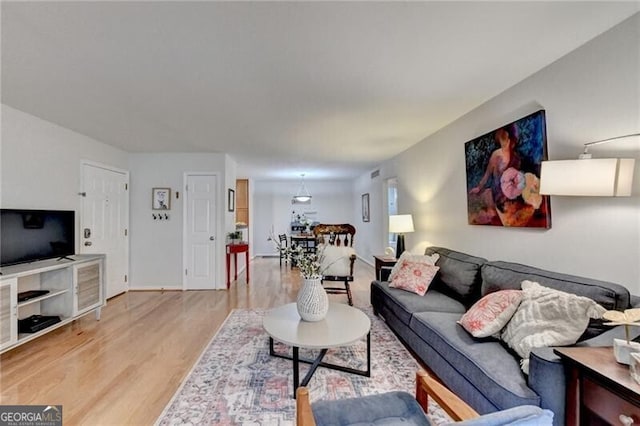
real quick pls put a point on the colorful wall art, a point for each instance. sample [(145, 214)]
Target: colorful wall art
[(503, 175)]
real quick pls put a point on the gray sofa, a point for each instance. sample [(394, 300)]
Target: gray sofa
[(485, 372)]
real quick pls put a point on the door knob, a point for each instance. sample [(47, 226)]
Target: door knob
[(87, 243), (212, 238)]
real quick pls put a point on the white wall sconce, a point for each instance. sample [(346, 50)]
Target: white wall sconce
[(588, 177)]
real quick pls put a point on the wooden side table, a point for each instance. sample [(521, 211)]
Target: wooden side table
[(599, 390), (235, 249), (383, 266)]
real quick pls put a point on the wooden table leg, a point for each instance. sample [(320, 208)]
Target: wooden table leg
[(572, 412), (235, 266), (228, 270), (247, 263)]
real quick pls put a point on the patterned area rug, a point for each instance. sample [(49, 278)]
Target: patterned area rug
[(237, 382)]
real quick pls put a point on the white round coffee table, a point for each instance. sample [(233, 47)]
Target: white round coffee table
[(343, 326)]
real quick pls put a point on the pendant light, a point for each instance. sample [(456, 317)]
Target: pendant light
[(303, 195)]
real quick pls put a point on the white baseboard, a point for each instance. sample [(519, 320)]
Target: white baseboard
[(368, 262), (154, 288)]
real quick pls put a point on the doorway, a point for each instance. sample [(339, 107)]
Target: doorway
[(104, 221), (392, 208), (200, 231)]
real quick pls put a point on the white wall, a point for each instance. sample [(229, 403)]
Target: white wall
[(332, 202), (156, 246), (592, 93), (40, 168), (40, 163), (371, 235), (231, 167)]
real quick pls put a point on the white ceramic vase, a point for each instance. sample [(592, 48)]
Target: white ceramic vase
[(622, 350), (313, 302)]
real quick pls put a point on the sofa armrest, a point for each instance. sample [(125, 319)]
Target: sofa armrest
[(547, 379), (547, 375), (427, 387), (606, 338), (304, 414), (635, 301)]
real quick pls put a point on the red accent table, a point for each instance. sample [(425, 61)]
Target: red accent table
[(235, 249)]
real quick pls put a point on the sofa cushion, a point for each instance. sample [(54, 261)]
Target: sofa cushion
[(486, 364), (459, 274), (391, 408), (502, 275), (524, 415), (405, 304)]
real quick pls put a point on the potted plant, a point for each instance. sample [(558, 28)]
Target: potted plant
[(234, 236), (312, 301)]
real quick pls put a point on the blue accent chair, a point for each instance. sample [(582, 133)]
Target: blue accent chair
[(401, 408)]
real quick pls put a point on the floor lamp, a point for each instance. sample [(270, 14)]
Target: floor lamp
[(400, 224)]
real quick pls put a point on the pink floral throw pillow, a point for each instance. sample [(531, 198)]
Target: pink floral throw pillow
[(490, 314), (408, 257), (414, 276)]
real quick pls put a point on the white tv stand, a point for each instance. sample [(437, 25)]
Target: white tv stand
[(76, 287)]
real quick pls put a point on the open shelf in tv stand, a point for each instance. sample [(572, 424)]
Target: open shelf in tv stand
[(76, 288)]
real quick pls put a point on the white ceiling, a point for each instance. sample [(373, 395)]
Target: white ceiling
[(330, 89)]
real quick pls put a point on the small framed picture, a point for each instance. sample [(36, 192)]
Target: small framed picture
[(365, 207), (231, 200), (161, 199)]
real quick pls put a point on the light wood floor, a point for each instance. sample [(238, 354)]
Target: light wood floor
[(124, 368)]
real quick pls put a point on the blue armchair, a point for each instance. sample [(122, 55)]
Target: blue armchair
[(394, 408)]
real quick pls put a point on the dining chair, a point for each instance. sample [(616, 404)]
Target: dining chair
[(335, 245), (283, 247)]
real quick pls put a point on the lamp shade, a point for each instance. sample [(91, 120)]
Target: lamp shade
[(303, 195), (587, 177), (400, 223), (302, 198)]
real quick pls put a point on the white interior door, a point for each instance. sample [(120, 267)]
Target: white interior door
[(200, 232), (104, 222)]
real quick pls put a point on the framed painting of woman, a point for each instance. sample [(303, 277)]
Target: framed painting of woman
[(503, 175)]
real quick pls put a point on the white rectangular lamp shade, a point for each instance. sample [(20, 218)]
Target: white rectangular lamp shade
[(400, 223), (587, 177)]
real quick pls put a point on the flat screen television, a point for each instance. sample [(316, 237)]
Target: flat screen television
[(30, 235)]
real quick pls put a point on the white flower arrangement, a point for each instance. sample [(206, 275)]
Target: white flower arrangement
[(305, 221), (309, 264), (626, 318)]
